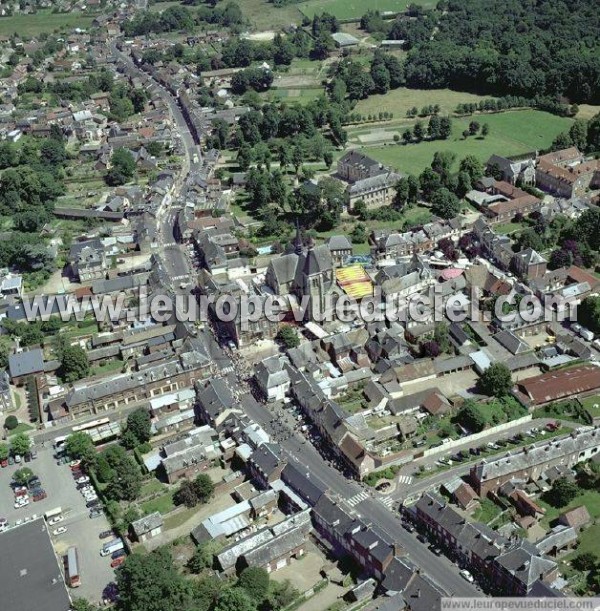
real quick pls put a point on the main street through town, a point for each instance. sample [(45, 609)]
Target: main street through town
[(176, 273)]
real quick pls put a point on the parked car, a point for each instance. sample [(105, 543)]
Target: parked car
[(59, 531), (18, 458), (75, 464), (118, 554), (422, 538), (55, 520), (467, 575), (84, 479), (39, 496), (105, 533), (11, 460), (96, 513), (117, 562), (409, 527), (4, 463), (93, 503), (435, 550)]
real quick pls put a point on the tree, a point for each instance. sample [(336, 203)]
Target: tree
[(445, 128), (586, 561), (234, 599), (123, 475), (139, 423), (328, 158), (473, 127), (203, 556), (80, 445), (288, 336), (11, 423), (445, 204), (186, 495), (23, 475), (4, 451), (255, 581), (123, 167), (563, 491), (282, 594), (485, 129), (359, 234), (74, 363), (418, 131), (20, 444), (588, 313), (471, 417), (203, 487), (472, 166), (150, 582), (496, 380)]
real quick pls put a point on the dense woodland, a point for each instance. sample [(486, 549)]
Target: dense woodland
[(530, 48)]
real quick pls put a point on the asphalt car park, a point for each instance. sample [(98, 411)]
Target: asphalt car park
[(81, 531)]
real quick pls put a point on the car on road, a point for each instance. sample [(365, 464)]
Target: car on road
[(117, 562), (466, 575), (409, 527), (105, 533), (435, 550), (55, 520), (61, 530)]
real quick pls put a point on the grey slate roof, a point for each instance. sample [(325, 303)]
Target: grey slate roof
[(26, 362), (538, 454), (147, 523)]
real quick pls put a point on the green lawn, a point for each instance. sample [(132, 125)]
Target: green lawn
[(589, 498), (22, 427), (264, 16), (109, 367), (163, 504), (43, 21), (506, 228), (151, 487), (354, 9), (488, 511), (589, 403), (511, 133), (399, 101)]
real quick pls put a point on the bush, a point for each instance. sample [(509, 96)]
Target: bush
[(11, 423)]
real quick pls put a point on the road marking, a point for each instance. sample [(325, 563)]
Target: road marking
[(357, 498), (387, 501), (405, 479)]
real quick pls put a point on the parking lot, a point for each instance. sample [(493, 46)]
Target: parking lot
[(81, 530)]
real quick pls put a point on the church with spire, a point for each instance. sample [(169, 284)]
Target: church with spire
[(306, 271)]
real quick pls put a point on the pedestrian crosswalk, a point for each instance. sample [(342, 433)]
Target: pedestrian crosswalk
[(357, 498), (182, 277), (170, 244), (388, 501), (405, 479), (227, 369)]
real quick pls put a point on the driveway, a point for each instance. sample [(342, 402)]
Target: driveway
[(81, 530)]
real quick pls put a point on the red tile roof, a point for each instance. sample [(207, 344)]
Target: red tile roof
[(560, 384)]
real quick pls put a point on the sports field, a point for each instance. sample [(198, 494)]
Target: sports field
[(511, 133), (355, 9), (43, 21)]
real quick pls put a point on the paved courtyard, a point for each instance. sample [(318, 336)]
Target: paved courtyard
[(81, 530)]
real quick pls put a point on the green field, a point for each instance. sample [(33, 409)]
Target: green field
[(511, 133), (43, 21), (400, 100), (355, 9)]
